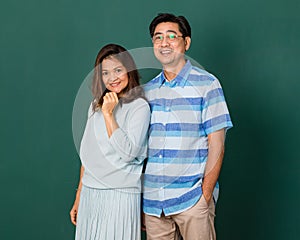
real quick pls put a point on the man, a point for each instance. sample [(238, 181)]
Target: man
[(186, 139)]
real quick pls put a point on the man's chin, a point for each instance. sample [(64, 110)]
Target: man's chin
[(165, 61)]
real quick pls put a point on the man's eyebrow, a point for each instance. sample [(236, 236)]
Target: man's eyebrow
[(168, 31), (172, 31)]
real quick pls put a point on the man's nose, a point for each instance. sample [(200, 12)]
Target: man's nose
[(165, 41)]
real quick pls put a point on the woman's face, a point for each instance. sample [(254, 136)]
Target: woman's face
[(114, 75)]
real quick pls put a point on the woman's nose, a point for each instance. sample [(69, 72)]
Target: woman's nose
[(112, 77)]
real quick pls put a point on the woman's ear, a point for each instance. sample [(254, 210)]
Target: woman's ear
[(187, 43)]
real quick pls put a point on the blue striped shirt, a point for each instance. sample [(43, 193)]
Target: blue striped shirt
[(184, 111)]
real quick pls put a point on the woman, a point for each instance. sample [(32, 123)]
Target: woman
[(112, 151)]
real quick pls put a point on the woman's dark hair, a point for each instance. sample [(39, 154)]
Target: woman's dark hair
[(184, 26), (132, 91)]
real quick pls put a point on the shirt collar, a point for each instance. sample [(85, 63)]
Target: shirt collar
[(179, 80)]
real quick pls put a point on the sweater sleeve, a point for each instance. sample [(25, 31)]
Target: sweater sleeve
[(131, 144)]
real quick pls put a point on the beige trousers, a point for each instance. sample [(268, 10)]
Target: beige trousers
[(196, 223)]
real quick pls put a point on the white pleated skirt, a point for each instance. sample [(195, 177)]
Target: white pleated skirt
[(108, 214)]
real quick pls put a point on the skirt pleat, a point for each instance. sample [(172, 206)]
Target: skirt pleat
[(108, 214)]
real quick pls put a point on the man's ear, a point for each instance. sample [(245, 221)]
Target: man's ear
[(187, 43)]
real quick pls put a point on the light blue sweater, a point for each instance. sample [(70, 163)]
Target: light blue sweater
[(116, 162)]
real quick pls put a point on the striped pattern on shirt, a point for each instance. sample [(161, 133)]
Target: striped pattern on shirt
[(184, 111)]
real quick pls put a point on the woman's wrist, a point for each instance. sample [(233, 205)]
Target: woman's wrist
[(107, 113)]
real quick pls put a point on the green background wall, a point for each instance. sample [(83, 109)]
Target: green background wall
[(47, 49)]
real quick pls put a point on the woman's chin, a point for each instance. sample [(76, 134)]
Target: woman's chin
[(117, 91)]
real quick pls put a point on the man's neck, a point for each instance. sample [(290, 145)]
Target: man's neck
[(172, 71)]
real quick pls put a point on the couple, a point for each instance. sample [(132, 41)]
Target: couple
[(178, 122)]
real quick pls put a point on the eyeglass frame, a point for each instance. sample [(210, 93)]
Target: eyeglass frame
[(167, 37)]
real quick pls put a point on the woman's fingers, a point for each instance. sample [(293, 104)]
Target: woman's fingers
[(73, 215), (114, 96), (111, 97), (110, 100)]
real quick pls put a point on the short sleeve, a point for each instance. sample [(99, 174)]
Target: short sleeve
[(215, 114)]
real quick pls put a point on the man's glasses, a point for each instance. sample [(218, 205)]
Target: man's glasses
[(171, 37)]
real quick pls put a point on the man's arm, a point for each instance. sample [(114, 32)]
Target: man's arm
[(214, 162)]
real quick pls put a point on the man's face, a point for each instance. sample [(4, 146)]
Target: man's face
[(169, 44)]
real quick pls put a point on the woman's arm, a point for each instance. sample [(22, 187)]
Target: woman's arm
[(74, 210), (109, 104), (131, 143)]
